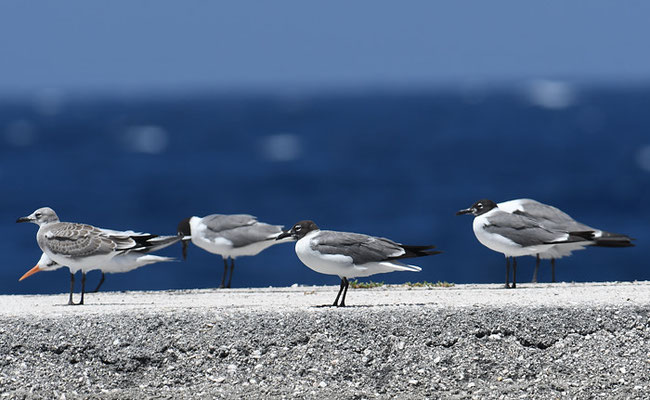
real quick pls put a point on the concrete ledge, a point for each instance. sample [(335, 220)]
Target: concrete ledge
[(481, 341)]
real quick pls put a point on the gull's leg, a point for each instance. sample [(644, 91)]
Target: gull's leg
[(534, 280), (70, 302), (232, 267), (507, 272), (336, 302), (225, 270), (345, 291), (514, 272), (553, 270), (101, 281), (83, 287)]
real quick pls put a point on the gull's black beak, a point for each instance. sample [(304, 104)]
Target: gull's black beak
[(465, 211), (184, 244), (23, 219), (283, 235)]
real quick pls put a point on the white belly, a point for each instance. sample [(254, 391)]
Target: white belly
[(129, 262), (330, 264), (80, 264), (562, 250), (224, 247)]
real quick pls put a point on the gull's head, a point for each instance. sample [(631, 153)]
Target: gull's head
[(479, 208), (42, 216), (185, 232), (299, 230), (44, 264)]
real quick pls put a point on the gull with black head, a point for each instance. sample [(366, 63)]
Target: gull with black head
[(83, 247), (230, 236), (351, 255), (516, 235), (554, 218)]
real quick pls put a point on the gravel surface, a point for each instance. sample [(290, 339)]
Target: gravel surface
[(469, 341)]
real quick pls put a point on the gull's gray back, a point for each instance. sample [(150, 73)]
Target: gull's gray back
[(220, 222), (520, 229), (245, 235), (551, 217), (240, 229), (361, 248), (80, 240)]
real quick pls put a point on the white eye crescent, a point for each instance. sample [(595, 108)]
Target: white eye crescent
[(297, 228), (38, 215)]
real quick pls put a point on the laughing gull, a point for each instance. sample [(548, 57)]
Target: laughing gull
[(554, 218), (120, 263), (230, 236), (82, 247), (350, 255), (516, 235)]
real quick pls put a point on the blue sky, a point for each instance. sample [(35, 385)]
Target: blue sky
[(181, 45)]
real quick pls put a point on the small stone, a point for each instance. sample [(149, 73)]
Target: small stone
[(436, 360), (413, 382), (322, 384), (400, 345), (471, 385)]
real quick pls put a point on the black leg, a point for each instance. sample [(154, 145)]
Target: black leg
[(70, 302), (552, 269), (225, 270), (232, 267), (83, 287), (507, 272), (514, 272), (345, 291), (336, 302), (534, 280), (101, 281)]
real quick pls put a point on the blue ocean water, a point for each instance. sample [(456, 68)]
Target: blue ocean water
[(389, 163)]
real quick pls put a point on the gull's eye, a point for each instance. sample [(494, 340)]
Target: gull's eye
[(38, 215), (479, 205), (297, 228)]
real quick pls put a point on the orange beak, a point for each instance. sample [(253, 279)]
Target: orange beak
[(30, 272)]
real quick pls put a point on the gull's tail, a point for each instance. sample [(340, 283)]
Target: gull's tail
[(158, 242), (609, 239), (416, 251)]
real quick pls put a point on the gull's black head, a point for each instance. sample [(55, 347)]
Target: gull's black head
[(479, 208), (184, 228), (185, 231), (299, 230)]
